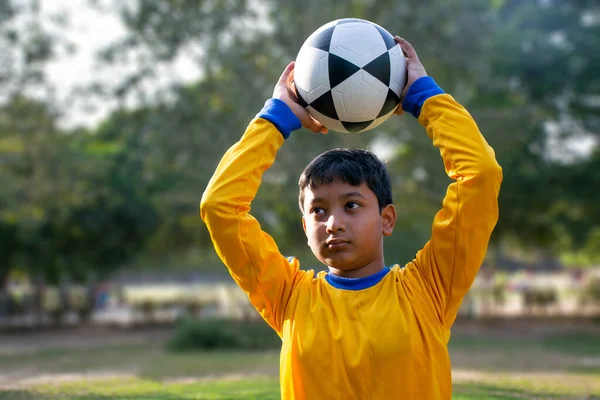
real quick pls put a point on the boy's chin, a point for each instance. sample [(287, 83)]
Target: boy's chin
[(344, 261), (339, 262)]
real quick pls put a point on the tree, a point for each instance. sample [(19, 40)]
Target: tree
[(71, 211), (544, 75), (95, 199), (27, 44), (239, 75), (518, 66)]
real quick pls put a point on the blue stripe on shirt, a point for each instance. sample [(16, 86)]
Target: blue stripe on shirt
[(280, 115), (356, 283), (421, 89)]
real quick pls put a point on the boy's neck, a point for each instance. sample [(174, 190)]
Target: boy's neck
[(362, 272)]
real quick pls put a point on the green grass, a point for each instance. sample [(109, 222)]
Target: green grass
[(485, 366), (563, 352), (498, 392), (146, 361), (585, 344), (261, 388), (133, 388), (576, 343)]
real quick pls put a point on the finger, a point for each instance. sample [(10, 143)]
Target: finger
[(407, 48), (399, 109), (284, 78), (294, 93), (312, 124), (403, 95), (316, 126), (290, 80)]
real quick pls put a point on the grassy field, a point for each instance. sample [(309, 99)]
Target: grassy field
[(489, 362)]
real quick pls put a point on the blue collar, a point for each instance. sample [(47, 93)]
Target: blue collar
[(339, 282)]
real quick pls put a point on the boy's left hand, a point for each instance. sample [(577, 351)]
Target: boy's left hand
[(284, 91), (414, 68)]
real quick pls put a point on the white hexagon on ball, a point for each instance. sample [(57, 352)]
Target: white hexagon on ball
[(397, 70), (311, 74), (358, 42), (359, 98)]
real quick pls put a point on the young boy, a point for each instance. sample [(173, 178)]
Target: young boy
[(361, 330)]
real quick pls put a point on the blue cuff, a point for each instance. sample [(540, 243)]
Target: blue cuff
[(280, 115), (421, 89)]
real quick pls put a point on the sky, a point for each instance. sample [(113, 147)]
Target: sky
[(89, 29)]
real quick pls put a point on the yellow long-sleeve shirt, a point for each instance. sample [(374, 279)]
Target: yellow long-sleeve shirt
[(388, 340)]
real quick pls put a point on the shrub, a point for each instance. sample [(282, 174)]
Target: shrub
[(591, 291), (209, 334)]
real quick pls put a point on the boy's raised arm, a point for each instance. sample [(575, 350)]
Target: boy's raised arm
[(447, 265), (251, 255)]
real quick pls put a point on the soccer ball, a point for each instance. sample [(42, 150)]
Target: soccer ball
[(349, 75)]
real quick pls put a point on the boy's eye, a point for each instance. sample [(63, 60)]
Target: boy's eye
[(352, 205), (317, 210)]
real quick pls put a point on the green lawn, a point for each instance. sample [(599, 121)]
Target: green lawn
[(148, 362), (485, 366), (258, 388), (575, 343), (136, 388)]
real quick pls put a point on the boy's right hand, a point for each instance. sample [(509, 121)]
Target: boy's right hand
[(284, 91)]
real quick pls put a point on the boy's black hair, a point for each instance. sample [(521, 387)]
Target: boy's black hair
[(351, 166)]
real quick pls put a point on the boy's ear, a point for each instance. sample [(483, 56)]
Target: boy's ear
[(304, 224), (388, 219)]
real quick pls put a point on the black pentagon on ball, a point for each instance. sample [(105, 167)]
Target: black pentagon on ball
[(340, 70), (380, 68), (301, 100), (323, 40), (356, 126), (391, 102), (325, 105), (387, 37)]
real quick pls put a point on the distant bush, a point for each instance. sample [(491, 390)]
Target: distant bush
[(540, 296), (209, 334), (592, 290)]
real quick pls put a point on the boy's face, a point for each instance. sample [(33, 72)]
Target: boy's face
[(345, 229)]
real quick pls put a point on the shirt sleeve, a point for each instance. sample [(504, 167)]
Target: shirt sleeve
[(251, 255), (446, 267)]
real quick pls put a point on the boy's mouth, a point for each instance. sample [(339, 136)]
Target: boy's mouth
[(336, 243)]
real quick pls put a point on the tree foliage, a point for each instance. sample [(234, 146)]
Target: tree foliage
[(83, 202)]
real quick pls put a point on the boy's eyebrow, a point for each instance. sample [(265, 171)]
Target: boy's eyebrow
[(343, 196), (352, 194)]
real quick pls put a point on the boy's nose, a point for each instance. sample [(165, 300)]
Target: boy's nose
[(335, 224)]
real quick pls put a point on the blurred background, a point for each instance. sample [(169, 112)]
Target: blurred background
[(114, 115)]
